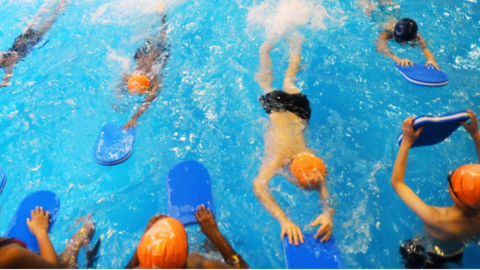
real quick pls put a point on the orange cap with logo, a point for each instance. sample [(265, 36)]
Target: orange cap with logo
[(308, 169), (164, 245), (138, 84), (465, 186)]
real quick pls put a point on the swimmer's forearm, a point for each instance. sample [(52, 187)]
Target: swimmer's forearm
[(46, 248), (230, 256), (429, 55), (398, 175), (267, 200)]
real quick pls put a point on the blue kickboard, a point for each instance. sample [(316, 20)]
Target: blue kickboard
[(188, 187), (437, 128), (114, 144), (312, 254), (18, 226), (423, 75), (3, 180)]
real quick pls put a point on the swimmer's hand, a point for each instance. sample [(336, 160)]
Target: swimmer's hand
[(410, 135), (207, 222), (38, 225), (404, 62), (153, 220), (293, 232), (432, 63), (327, 226), (471, 127), (130, 124)]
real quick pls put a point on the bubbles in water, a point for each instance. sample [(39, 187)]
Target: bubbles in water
[(280, 18), (284, 16)]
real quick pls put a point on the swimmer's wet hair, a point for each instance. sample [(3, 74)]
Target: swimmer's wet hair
[(405, 30)]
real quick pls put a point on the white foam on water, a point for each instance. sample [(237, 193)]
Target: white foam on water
[(113, 12), (282, 17)]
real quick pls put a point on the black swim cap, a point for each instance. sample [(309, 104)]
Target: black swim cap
[(405, 30)]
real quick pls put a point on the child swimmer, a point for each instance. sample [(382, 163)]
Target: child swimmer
[(165, 245), (394, 26), (289, 112), (447, 228), (145, 79)]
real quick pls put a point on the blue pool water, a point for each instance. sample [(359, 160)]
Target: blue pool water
[(209, 111)]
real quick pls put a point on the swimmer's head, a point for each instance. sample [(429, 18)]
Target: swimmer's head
[(405, 30), (138, 84), (164, 245), (464, 186), (308, 169)]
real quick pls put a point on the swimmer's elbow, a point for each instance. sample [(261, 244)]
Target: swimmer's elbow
[(259, 188)]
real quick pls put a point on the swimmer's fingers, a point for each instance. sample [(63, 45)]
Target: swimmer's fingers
[(300, 235), (419, 130), (282, 234), (295, 230), (326, 237), (471, 127)]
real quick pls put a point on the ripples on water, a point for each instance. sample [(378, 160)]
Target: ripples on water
[(208, 111)]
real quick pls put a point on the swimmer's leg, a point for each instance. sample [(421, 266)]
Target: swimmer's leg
[(68, 258), (264, 75), (293, 66), (53, 17)]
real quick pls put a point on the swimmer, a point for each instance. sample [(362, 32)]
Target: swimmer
[(14, 252), (145, 80), (25, 43), (395, 26), (81, 238), (446, 228), (285, 146), (171, 245)]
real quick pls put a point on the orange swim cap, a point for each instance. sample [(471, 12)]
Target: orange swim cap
[(138, 84), (164, 245), (308, 169), (464, 186)]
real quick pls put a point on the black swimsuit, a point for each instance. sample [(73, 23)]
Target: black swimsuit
[(25, 43), (279, 101)]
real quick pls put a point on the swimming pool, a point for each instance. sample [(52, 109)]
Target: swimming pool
[(209, 111)]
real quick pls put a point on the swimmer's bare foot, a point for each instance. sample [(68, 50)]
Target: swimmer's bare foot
[(160, 7), (266, 47), (61, 5)]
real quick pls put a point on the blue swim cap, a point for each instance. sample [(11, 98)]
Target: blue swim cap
[(405, 30)]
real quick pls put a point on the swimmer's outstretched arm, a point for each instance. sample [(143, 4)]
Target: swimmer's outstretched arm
[(263, 193), (428, 214), (382, 47), (472, 128), (326, 218), (149, 99), (428, 54)]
